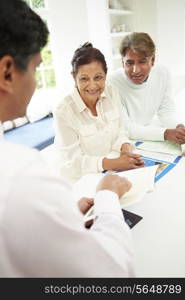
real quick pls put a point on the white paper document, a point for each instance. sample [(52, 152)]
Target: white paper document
[(142, 180), (161, 147), (156, 155)]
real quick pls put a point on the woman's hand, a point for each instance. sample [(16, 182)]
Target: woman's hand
[(129, 161), (126, 148), (125, 162)]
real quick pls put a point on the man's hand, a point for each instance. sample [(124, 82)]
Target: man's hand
[(180, 126), (175, 135), (114, 183), (85, 204)]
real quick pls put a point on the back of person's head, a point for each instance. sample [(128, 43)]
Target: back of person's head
[(140, 42), (87, 54), (22, 32)]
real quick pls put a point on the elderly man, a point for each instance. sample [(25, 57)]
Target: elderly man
[(145, 90)]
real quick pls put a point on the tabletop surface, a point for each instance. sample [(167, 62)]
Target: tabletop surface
[(159, 238)]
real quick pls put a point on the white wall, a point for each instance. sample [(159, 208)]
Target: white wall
[(69, 30), (145, 12), (171, 33), (164, 20), (98, 26)]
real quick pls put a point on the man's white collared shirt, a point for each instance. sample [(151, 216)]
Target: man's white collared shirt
[(41, 227)]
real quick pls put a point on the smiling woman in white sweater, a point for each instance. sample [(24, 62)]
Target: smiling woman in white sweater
[(146, 92), (90, 137)]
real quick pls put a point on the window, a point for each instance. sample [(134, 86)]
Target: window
[(44, 97), (45, 75)]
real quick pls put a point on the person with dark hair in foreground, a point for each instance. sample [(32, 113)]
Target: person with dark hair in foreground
[(42, 233)]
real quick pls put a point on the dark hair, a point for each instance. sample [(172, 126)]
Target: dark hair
[(138, 41), (22, 32), (85, 55)]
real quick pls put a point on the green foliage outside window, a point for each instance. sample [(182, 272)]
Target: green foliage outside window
[(49, 78), (46, 57), (45, 75), (38, 3), (35, 4), (39, 82)]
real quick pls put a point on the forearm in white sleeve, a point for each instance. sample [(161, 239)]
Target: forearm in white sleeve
[(62, 246), (74, 164), (148, 132), (167, 113), (167, 110), (122, 138), (140, 132), (112, 231)]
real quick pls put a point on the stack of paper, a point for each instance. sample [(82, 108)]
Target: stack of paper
[(142, 180), (161, 147)]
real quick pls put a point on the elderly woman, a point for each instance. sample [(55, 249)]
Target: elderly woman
[(87, 122)]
